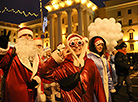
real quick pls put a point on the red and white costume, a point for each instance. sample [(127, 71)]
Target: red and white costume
[(55, 69)]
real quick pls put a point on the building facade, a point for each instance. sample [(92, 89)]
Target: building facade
[(126, 13), (68, 16)]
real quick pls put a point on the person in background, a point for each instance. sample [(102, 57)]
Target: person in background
[(69, 60), (46, 54), (122, 70), (52, 89), (22, 82), (39, 45), (97, 47), (112, 64)]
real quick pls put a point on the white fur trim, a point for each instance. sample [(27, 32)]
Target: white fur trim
[(25, 31), (38, 42), (56, 57), (98, 42), (4, 51), (38, 80), (41, 97)]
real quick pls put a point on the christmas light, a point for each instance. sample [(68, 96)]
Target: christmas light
[(18, 11)]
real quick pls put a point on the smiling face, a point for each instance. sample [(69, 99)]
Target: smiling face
[(99, 47), (76, 45)]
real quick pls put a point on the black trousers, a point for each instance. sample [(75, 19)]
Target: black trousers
[(128, 82)]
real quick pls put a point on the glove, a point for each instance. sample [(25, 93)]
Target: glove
[(4, 39), (32, 84)]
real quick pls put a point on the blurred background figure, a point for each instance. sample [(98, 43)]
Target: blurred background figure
[(39, 45), (112, 65), (122, 70), (46, 54)]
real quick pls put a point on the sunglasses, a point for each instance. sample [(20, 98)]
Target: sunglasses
[(73, 43)]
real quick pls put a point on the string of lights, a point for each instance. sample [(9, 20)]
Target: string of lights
[(18, 11)]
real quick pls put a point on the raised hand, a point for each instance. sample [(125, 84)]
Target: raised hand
[(64, 52), (4, 39)]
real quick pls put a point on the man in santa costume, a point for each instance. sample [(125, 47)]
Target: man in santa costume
[(39, 45), (22, 82), (67, 61)]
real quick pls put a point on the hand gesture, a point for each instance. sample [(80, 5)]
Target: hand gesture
[(4, 39), (64, 52)]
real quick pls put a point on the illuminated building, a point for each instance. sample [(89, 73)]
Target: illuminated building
[(68, 16), (125, 12)]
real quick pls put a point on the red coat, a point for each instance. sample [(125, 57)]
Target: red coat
[(90, 78), (17, 77)]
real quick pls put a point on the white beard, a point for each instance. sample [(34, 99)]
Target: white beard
[(26, 49)]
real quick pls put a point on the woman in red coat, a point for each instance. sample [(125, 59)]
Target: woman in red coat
[(65, 62)]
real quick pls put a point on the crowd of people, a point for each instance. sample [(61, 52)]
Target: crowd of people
[(82, 70)]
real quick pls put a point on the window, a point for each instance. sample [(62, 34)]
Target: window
[(129, 11), (63, 21), (131, 35), (131, 47), (36, 30), (46, 35), (46, 28), (46, 44), (72, 19), (76, 28), (90, 17), (120, 22), (67, 30), (119, 13), (130, 22)]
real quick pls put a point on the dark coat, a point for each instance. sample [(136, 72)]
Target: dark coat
[(121, 64)]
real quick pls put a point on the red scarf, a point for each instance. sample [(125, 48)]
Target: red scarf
[(122, 51)]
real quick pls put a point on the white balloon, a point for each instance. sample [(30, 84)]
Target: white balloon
[(111, 20)]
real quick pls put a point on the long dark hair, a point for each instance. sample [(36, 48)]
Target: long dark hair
[(93, 48)]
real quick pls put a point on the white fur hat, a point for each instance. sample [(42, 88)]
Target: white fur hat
[(38, 41), (24, 30)]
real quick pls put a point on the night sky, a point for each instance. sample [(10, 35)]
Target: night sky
[(27, 6)]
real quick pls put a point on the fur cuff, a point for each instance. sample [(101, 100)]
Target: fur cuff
[(56, 57), (4, 51), (41, 97), (38, 80)]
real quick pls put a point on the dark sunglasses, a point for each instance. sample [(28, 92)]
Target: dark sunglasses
[(79, 43)]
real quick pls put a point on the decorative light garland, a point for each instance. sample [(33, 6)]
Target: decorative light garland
[(18, 11)]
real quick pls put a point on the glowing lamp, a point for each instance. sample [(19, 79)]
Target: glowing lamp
[(62, 4), (56, 6), (89, 4), (48, 8), (83, 1), (94, 8)]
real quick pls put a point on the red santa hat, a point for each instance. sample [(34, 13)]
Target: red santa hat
[(78, 60), (24, 30), (38, 41), (98, 41)]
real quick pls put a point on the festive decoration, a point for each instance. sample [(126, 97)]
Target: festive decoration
[(18, 11), (108, 29)]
